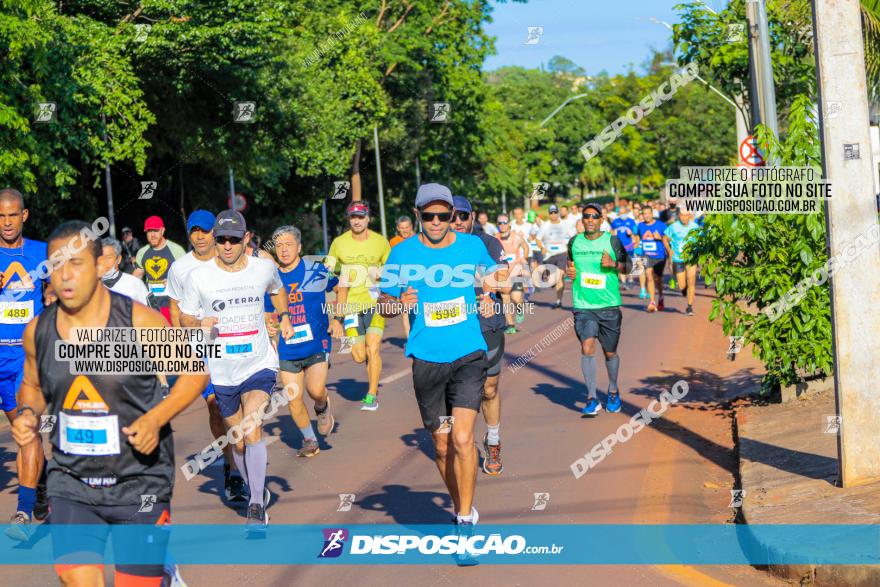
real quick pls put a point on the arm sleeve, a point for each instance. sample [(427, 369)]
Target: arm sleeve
[(619, 250)]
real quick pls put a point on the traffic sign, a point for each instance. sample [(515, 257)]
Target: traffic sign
[(749, 154), (240, 203)]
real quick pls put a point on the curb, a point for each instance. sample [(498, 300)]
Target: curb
[(818, 575)]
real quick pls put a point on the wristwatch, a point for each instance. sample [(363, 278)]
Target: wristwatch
[(22, 408), (283, 314)]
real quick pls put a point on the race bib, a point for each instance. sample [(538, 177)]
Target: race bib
[(89, 435), (555, 248), (593, 280), (16, 312), (157, 288), (350, 321), (649, 246), (238, 351), (509, 258), (302, 333), (445, 313)]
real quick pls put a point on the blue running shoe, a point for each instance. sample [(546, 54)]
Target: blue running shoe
[(643, 294), (592, 408), (613, 403)]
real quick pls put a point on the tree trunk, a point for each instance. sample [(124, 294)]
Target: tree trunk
[(356, 172)]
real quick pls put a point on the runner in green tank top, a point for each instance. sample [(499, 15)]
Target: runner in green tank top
[(595, 259)]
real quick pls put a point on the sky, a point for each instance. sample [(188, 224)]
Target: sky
[(596, 34)]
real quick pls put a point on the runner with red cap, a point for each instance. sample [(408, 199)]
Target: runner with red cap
[(357, 256), (153, 261)]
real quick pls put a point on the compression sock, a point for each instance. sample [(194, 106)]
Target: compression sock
[(588, 366), (613, 366), (240, 465), (27, 497), (308, 432), (494, 436), (257, 460)]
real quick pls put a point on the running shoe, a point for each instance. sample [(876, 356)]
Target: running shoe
[(41, 507), (466, 530), (257, 518), (267, 497), (492, 464), (520, 316), (326, 421), (690, 310), (660, 305), (643, 294), (20, 527), (309, 449), (652, 307), (236, 490), (510, 330), (613, 403), (370, 403), (557, 306), (171, 576), (672, 284), (592, 408)]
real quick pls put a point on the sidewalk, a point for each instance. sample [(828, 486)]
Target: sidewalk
[(788, 469)]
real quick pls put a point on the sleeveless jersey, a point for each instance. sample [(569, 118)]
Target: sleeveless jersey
[(22, 292), (92, 461)]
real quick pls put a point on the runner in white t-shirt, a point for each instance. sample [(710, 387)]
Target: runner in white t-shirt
[(553, 239), (117, 280), (228, 292)]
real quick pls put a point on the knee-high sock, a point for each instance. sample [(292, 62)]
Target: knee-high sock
[(613, 366), (588, 366), (257, 460), (240, 465)]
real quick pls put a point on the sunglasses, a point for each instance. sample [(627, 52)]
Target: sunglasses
[(554, 212), (463, 216), (430, 216), (593, 216), (503, 222), (222, 240)]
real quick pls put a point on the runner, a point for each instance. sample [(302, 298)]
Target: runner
[(676, 237), (115, 279), (528, 230), (130, 246), (487, 227), (447, 348), (102, 478), (361, 248), (200, 227), (516, 251), (649, 237), (553, 236), (492, 328), (153, 261), (595, 259), (18, 257), (226, 294), (305, 357), (404, 231), (624, 228)]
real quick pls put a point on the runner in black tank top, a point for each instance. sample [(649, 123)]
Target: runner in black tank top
[(114, 463)]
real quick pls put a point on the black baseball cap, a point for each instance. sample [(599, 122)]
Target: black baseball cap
[(594, 206), (230, 223)]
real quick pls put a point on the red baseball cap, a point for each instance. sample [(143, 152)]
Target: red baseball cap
[(359, 208), (153, 223)]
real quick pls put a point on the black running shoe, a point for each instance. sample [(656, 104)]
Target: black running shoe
[(41, 507), (236, 490), (257, 518)]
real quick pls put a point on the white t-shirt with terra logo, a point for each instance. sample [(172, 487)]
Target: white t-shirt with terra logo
[(236, 299)]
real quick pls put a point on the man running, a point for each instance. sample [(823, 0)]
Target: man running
[(112, 447), (360, 253), (305, 357), (486, 226), (492, 328), (649, 237), (226, 294), (200, 226), (676, 237), (447, 348), (624, 228), (595, 259), (115, 279), (553, 236), (21, 301), (404, 231), (153, 260), (516, 253)]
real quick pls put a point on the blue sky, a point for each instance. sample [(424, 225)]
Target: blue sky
[(595, 34)]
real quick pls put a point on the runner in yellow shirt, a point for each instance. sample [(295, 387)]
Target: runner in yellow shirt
[(358, 256)]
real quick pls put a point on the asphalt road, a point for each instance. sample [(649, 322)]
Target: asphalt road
[(678, 470)]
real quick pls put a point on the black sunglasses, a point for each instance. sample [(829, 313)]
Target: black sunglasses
[(554, 211), (593, 216), (430, 216), (503, 222), (222, 240), (463, 216)]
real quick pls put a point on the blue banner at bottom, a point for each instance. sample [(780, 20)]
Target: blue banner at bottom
[(421, 544)]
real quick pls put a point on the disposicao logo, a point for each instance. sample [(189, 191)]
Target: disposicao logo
[(334, 540)]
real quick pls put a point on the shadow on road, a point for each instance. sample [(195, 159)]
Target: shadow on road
[(350, 389), (397, 341), (567, 397), (406, 506), (422, 439)]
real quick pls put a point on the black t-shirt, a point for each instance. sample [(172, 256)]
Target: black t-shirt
[(496, 251)]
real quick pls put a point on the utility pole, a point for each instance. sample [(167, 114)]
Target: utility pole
[(108, 180), (763, 91), (231, 189), (851, 212), (379, 177)]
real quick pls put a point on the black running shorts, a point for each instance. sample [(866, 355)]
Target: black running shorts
[(298, 365), (495, 354), (657, 265), (602, 324), (440, 387)]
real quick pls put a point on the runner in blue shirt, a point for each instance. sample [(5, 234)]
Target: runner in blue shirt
[(625, 228), (677, 236), (21, 299), (434, 273), (650, 238), (305, 357)]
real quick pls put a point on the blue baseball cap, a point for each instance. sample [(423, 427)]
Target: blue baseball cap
[(433, 192), (461, 204), (201, 219)]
